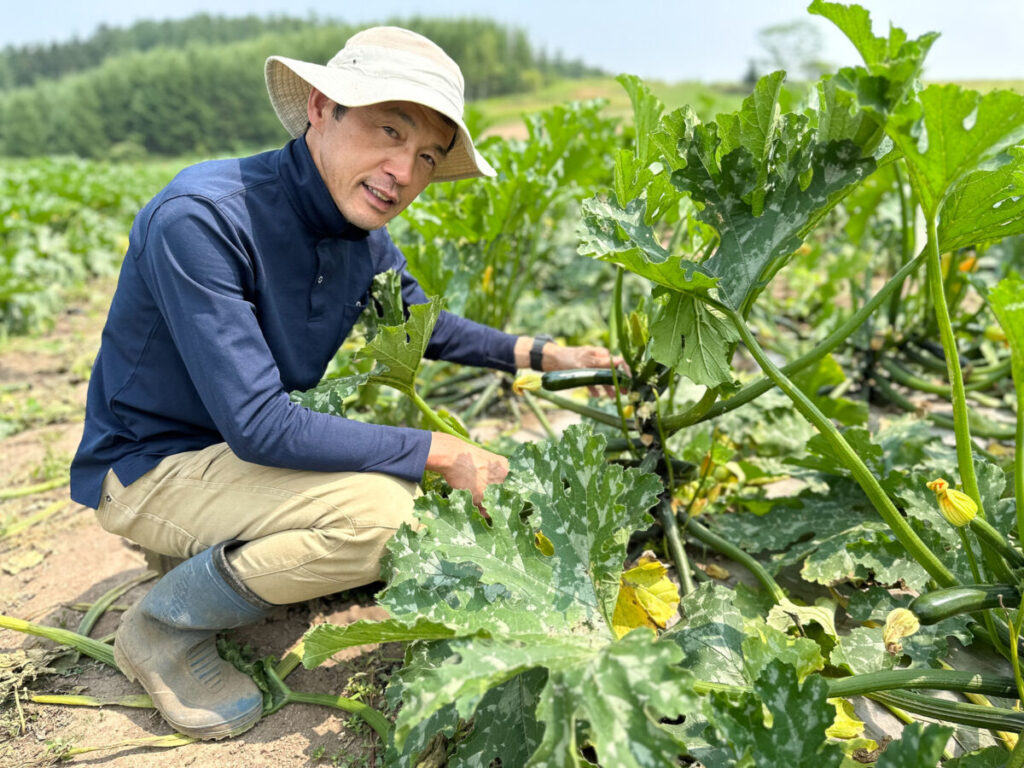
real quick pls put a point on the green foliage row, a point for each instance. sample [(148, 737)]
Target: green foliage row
[(61, 222), (210, 97)]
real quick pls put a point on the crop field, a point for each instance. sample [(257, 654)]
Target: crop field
[(786, 532)]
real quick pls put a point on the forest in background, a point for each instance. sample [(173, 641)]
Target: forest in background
[(196, 85)]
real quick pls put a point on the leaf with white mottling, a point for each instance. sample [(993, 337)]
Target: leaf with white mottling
[(711, 635), (795, 736)]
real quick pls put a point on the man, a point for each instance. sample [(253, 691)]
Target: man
[(241, 280)]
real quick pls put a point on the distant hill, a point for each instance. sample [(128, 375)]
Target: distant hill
[(196, 85)]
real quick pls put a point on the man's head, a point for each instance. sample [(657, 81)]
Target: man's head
[(379, 66), (376, 159)]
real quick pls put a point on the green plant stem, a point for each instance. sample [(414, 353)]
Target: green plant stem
[(134, 701), (889, 393), (867, 481), (83, 607), (531, 403), (928, 679), (481, 402), (675, 422), (983, 378), (734, 553), (281, 694), (993, 372), (986, 616), (454, 397), (48, 511), (907, 235), (897, 679), (436, 421), (622, 416), (373, 718), (290, 661), (1014, 623), (990, 718), (28, 490), (603, 417), (961, 426), (169, 741), (97, 609), (87, 645), (993, 539), (675, 546), (1018, 462), (907, 379)]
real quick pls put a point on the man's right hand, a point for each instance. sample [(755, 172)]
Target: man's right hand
[(465, 466)]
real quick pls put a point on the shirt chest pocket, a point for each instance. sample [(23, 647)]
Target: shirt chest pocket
[(340, 286)]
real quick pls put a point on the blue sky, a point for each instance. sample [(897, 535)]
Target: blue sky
[(671, 40)]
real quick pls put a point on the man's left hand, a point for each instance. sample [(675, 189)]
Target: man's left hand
[(558, 358)]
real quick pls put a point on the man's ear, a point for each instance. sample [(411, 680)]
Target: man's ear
[(318, 109)]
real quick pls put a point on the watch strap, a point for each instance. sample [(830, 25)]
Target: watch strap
[(537, 351)]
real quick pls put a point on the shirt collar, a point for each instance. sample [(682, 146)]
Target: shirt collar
[(310, 197)]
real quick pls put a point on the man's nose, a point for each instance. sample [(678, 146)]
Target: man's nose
[(400, 167)]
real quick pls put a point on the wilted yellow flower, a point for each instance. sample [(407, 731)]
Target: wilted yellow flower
[(527, 382), (956, 506), (899, 623)]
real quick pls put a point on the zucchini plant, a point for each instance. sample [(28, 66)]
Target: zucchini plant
[(518, 648)]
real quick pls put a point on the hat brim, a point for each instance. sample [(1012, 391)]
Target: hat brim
[(289, 82)]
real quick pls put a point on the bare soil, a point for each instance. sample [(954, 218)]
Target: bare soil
[(65, 559)]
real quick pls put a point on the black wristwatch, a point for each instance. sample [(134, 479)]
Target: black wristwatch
[(537, 351)]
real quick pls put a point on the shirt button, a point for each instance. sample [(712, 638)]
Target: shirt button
[(319, 279)]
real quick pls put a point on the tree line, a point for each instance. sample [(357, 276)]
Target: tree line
[(196, 86)]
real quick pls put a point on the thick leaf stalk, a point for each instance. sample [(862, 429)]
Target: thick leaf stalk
[(991, 718), (734, 553), (961, 426), (867, 481)]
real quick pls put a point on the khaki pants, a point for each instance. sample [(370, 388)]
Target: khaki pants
[(307, 534)]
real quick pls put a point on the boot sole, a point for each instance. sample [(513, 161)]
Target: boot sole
[(213, 733)]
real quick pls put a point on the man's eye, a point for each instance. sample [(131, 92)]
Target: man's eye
[(430, 159), (390, 131)]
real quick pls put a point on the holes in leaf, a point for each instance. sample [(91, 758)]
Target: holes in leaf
[(971, 119), (922, 137)]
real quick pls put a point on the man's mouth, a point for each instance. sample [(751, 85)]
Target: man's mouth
[(385, 199)]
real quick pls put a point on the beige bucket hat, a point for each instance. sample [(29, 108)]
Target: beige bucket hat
[(376, 65)]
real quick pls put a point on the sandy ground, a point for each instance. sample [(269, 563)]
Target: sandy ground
[(68, 559)]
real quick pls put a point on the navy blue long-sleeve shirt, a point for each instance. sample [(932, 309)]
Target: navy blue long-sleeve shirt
[(241, 281)]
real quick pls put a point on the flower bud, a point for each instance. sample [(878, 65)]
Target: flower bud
[(899, 623), (956, 506), (527, 382)]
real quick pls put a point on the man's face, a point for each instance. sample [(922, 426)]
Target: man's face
[(375, 160)]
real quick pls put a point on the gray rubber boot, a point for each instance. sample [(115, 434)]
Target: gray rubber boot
[(167, 641)]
